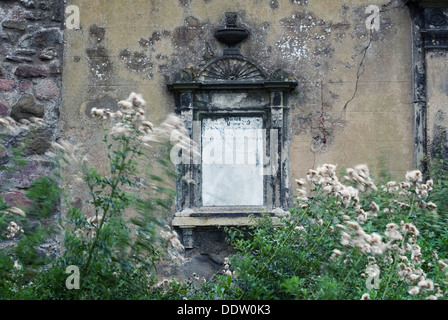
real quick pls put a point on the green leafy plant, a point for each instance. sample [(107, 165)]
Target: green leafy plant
[(346, 239), (115, 241)]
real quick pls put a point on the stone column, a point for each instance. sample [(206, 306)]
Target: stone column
[(435, 43)]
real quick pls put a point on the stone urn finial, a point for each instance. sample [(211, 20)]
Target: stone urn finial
[(231, 35)]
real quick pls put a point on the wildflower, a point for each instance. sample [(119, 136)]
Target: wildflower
[(393, 189), (336, 253), (416, 254), (361, 217), (17, 266), (414, 176), (354, 225), (96, 112), (299, 228), (391, 184), (362, 170), (120, 129), (95, 220), (409, 227), (405, 185), (413, 291), (327, 189), (312, 175), (13, 228), (365, 296), (340, 226), (392, 232), (442, 264), (302, 194), (431, 206), (404, 270), (147, 125), (426, 284), (345, 238), (403, 205), (414, 277), (421, 192), (79, 233), (300, 182), (125, 105), (374, 207), (115, 115), (136, 99)]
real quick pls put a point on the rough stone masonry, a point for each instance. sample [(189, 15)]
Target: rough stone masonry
[(31, 59)]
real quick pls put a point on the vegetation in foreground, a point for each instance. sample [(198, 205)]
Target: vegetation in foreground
[(347, 238)]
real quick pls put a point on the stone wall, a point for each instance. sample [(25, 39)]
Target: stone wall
[(354, 98), (31, 52)]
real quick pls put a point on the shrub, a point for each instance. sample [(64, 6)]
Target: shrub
[(113, 254), (346, 239)]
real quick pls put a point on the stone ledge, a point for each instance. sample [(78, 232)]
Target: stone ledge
[(194, 222)]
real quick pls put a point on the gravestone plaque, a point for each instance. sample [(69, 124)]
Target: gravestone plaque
[(232, 161)]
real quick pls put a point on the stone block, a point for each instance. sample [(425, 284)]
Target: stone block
[(6, 84), (3, 155), (28, 71), (15, 24), (3, 109), (25, 87), (16, 199), (39, 141), (26, 108), (46, 90)]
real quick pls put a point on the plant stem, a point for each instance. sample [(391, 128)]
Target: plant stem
[(278, 248), (113, 192)]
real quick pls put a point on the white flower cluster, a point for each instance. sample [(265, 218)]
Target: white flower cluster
[(91, 227), (13, 229), (131, 118), (175, 247), (227, 270), (172, 238), (399, 241), (23, 124), (71, 154), (325, 177)]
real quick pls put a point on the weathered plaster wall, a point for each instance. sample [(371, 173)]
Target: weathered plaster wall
[(354, 96), (437, 100)]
